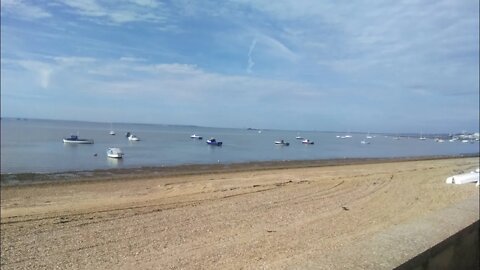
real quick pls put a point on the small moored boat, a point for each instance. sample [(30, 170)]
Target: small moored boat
[(74, 139), (213, 141), (195, 136), (282, 142), (133, 138), (114, 153), (307, 141)]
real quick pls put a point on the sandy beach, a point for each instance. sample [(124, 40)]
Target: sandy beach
[(348, 216)]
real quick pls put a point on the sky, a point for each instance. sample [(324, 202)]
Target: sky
[(373, 66)]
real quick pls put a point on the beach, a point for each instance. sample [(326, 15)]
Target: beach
[(351, 215)]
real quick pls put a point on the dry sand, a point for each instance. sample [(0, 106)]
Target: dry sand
[(373, 216)]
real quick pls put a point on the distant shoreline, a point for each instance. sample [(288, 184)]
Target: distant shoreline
[(20, 179)]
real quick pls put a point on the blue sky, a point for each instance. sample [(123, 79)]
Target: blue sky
[(378, 66)]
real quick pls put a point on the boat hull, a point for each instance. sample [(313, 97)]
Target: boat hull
[(79, 141), (214, 143)]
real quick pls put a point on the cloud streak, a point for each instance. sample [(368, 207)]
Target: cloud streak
[(250, 63)]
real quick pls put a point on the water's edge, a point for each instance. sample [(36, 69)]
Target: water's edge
[(20, 179)]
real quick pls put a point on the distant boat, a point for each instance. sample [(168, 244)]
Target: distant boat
[(365, 142), (112, 132), (299, 138), (282, 142), (422, 137), (307, 141), (213, 141), (75, 140), (133, 138), (114, 153), (369, 136), (194, 136)]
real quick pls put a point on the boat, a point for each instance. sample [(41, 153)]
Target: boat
[(299, 138), (112, 132), (307, 141), (75, 140), (464, 178), (369, 136), (133, 138), (114, 153), (365, 142), (213, 141), (195, 136), (282, 142)]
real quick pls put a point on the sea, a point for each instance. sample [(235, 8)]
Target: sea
[(36, 146)]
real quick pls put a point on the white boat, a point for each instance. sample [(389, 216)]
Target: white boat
[(112, 132), (299, 138), (365, 142), (195, 136), (282, 142), (307, 141), (114, 153), (464, 178), (75, 140), (133, 138), (369, 136)]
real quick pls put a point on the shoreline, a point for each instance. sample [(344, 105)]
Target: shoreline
[(32, 178)]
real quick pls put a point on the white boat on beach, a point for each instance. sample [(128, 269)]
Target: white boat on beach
[(73, 139), (464, 178), (114, 153)]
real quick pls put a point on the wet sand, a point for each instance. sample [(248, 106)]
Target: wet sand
[(254, 216)]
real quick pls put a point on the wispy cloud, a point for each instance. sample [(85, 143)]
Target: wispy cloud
[(119, 12), (24, 10)]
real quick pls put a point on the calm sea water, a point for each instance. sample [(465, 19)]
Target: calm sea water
[(36, 146)]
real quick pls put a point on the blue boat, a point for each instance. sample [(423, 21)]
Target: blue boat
[(213, 141)]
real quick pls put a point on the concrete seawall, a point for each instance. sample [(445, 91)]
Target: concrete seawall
[(459, 251)]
